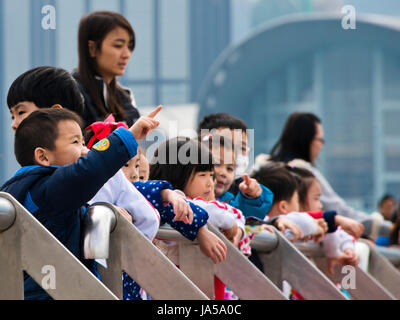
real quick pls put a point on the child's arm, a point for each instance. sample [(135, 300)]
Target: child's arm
[(211, 245), (308, 225), (222, 215), (349, 225), (72, 186), (339, 249), (121, 192), (282, 224), (182, 209), (253, 199)]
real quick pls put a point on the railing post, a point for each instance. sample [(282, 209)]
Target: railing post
[(11, 280), (197, 267), (28, 245), (286, 262), (99, 222)]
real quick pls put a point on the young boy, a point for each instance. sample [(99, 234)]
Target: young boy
[(253, 199), (58, 175), (286, 202), (43, 87)]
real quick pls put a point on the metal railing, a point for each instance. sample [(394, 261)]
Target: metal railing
[(286, 262), (237, 272), (26, 245), (127, 249), (366, 287)]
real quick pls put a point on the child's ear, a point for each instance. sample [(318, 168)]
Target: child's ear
[(92, 48), (56, 106), (283, 207), (41, 156)]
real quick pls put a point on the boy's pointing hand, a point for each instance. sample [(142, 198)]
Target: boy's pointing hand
[(145, 124)]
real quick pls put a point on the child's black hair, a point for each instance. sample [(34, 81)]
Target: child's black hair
[(39, 129), (176, 159), (278, 179), (221, 120), (46, 86), (304, 180)]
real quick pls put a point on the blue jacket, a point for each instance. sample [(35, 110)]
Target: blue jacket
[(57, 196), (251, 207)]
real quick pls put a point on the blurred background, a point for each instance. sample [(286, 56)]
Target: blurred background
[(259, 60)]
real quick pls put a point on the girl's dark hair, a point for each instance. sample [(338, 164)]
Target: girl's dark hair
[(40, 129), (176, 159), (296, 138), (46, 86), (278, 179), (304, 180), (95, 26)]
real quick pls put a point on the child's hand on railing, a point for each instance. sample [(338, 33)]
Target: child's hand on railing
[(349, 225), (145, 124), (212, 246), (321, 230), (348, 257), (283, 224), (125, 213), (183, 211)]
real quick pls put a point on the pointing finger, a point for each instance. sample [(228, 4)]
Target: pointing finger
[(154, 112)]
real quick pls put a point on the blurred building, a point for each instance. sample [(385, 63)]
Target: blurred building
[(350, 78)]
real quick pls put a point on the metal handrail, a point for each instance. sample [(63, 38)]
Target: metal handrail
[(25, 244), (382, 269), (286, 262), (366, 286), (130, 251), (237, 272)]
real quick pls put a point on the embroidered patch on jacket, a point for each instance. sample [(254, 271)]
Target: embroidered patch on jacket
[(102, 145)]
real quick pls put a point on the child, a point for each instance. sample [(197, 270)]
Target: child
[(188, 166), (42, 87), (227, 125), (144, 167), (58, 174), (284, 187), (341, 249), (252, 198)]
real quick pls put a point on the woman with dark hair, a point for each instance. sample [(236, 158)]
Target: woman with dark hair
[(106, 41), (300, 143)]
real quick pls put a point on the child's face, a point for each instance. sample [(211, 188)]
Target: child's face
[(131, 169), (69, 146), (313, 197), (20, 111), (224, 170), (238, 137), (200, 184), (144, 168)]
